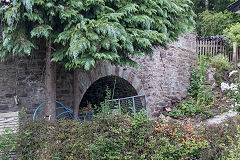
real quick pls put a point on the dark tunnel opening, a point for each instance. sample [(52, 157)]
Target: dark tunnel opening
[(96, 93)]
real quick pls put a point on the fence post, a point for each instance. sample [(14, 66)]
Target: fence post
[(134, 106), (235, 50), (119, 106)]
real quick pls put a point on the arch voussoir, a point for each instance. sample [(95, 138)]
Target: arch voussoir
[(91, 77), (108, 69), (117, 69)]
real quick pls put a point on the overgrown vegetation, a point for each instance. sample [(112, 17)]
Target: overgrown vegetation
[(210, 23), (232, 33), (222, 65), (201, 98), (222, 140), (125, 137), (213, 17), (8, 144)]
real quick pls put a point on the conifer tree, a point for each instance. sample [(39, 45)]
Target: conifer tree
[(77, 33)]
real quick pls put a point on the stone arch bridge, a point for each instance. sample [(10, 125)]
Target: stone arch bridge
[(163, 79)]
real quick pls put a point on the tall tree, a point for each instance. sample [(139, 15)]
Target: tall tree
[(78, 33), (116, 30), (31, 25), (212, 24)]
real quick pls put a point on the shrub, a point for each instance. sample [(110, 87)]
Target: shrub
[(220, 138), (188, 141), (234, 148), (221, 63), (176, 113), (198, 77), (8, 144), (232, 33), (201, 97), (112, 137), (124, 137), (105, 137)]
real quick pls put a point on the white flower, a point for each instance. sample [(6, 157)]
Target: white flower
[(233, 87), (236, 104), (224, 86), (231, 73)]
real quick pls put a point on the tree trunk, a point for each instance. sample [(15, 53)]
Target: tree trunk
[(207, 5), (50, 84), (76, 98)]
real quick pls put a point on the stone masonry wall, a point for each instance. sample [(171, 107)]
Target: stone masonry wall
[(167, 75), (163, 79), (22, 79)]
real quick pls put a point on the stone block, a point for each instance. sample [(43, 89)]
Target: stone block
[(159, 109), (211, 74), (4, 107), (155, 114), (10, 95)]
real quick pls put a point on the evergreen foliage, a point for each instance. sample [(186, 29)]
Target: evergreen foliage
[(84, 31), (212, 23), (214, 5)]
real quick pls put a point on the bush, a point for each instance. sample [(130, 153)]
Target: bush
[(112, 137), (198, 77), (234, 148), (125, 137), (105, 137), (188, 142), (201, 97), (8, 144), (221, 63), (220, 138), (232, 33)]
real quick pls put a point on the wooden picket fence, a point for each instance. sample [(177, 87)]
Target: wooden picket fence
[(213, 47)]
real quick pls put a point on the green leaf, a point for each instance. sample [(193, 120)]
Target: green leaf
[(27, 4), (58, 55), (41, 31)]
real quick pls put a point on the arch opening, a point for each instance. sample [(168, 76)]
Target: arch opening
[(96, 93)]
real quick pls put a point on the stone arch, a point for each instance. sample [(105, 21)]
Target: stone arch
[(101, 70), (96, 93)]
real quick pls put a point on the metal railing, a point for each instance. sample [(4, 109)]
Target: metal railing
[(129, 104)]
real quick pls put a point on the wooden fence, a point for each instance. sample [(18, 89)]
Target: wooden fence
[(214, 47)]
